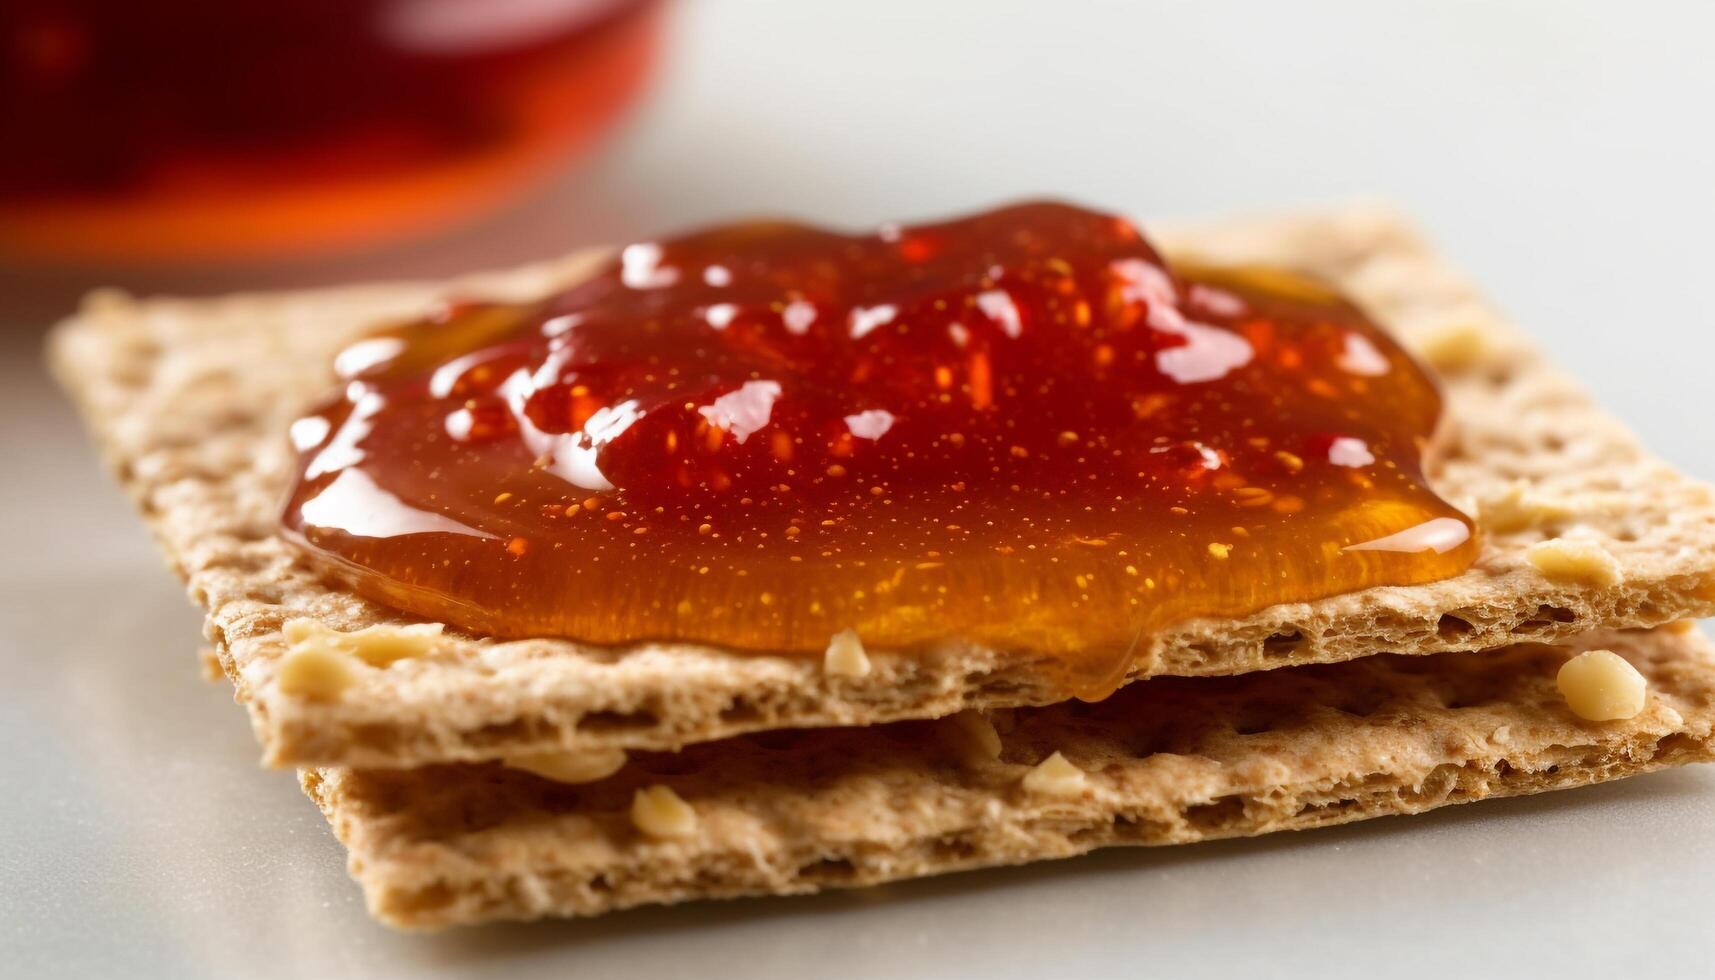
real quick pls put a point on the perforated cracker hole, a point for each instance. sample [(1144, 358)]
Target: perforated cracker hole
[(1545, 618), (1327, 809), (1092, 836), (954, 847), (1452, 628), (1254, 721), (1199, 654), (1216, 814), (1677, 745), (1440, 784), (828, 869), (1132, 827), (1282, 645)]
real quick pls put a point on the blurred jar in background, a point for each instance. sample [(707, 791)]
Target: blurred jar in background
[(173, 130)]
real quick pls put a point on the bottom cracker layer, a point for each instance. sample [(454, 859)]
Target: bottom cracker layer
[(1167, 761)]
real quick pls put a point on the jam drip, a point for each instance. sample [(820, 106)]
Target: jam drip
[(1020, 429)]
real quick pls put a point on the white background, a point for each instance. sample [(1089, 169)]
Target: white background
[(1560, 151)]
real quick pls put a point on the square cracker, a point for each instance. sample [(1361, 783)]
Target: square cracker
[(1167, 761), (190, 400)]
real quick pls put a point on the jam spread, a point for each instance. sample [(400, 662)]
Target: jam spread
[(1021, 429)]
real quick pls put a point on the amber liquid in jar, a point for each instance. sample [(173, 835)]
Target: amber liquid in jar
[(1020, 429), (184, 129)]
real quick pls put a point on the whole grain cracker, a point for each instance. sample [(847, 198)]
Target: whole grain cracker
[(190, 400), (1167, 761)]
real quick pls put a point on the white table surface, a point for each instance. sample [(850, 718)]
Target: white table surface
[(1561, 151)]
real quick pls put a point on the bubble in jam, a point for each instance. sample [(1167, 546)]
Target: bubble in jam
[(1020, 429)]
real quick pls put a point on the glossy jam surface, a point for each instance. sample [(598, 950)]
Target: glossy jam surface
[(1018, 428)]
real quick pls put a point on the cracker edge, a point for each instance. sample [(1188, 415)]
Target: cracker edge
[(930, 822)]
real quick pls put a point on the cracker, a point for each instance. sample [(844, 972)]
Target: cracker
[(1167, 761), (190, 400)]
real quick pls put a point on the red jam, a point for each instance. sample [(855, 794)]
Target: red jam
[(221, 129), (1018, 428)]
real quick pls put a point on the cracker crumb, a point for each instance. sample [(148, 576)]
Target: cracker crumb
[(659, 812), (319, 673), (1502, 735), (1516, 509), (1601, 685), (845, 656), (1055, 776), (974, 736), (570, 767), (1452, 346), (1583, 562), (377, 645)]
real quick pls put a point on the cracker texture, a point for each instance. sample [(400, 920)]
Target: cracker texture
[(1167, 761), (190, 400)]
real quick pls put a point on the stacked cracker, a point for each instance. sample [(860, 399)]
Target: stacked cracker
[(474, 779)]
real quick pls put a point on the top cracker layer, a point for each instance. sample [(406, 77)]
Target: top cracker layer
[(190, 400)]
